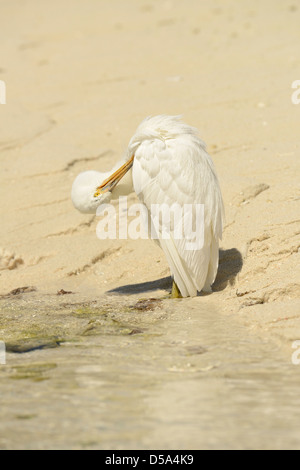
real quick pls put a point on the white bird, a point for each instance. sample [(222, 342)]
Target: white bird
[(167, 163)]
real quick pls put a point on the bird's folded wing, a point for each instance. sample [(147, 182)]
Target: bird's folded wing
[(179, 173)]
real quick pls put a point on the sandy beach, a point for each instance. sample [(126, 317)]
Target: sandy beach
[(80, 76)]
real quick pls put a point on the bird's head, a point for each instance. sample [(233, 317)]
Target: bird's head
[(92, 188), (86, 196)]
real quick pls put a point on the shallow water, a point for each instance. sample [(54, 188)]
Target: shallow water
[(180, 376)]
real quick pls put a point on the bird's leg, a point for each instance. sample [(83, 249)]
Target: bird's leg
[(175, 294)]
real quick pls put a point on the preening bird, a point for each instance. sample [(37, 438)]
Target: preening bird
[(167, 163)]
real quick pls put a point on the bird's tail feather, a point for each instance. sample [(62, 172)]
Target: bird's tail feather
[(178, 268), (213, 264)]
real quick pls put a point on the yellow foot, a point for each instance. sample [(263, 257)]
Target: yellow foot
[(175, 294)]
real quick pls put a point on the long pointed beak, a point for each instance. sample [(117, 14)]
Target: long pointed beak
[(112, 181)]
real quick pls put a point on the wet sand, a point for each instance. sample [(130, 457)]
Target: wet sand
[(144, 375), (101, 367)]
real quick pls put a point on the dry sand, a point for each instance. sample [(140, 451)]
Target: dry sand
[(81, 75)]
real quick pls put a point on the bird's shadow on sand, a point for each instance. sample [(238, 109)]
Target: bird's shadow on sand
[(230, 264), (165, 283)]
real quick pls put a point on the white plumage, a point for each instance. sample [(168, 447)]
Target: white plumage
[(170, 165)]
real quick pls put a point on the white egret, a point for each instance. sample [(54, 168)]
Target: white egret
[(167, 163)]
